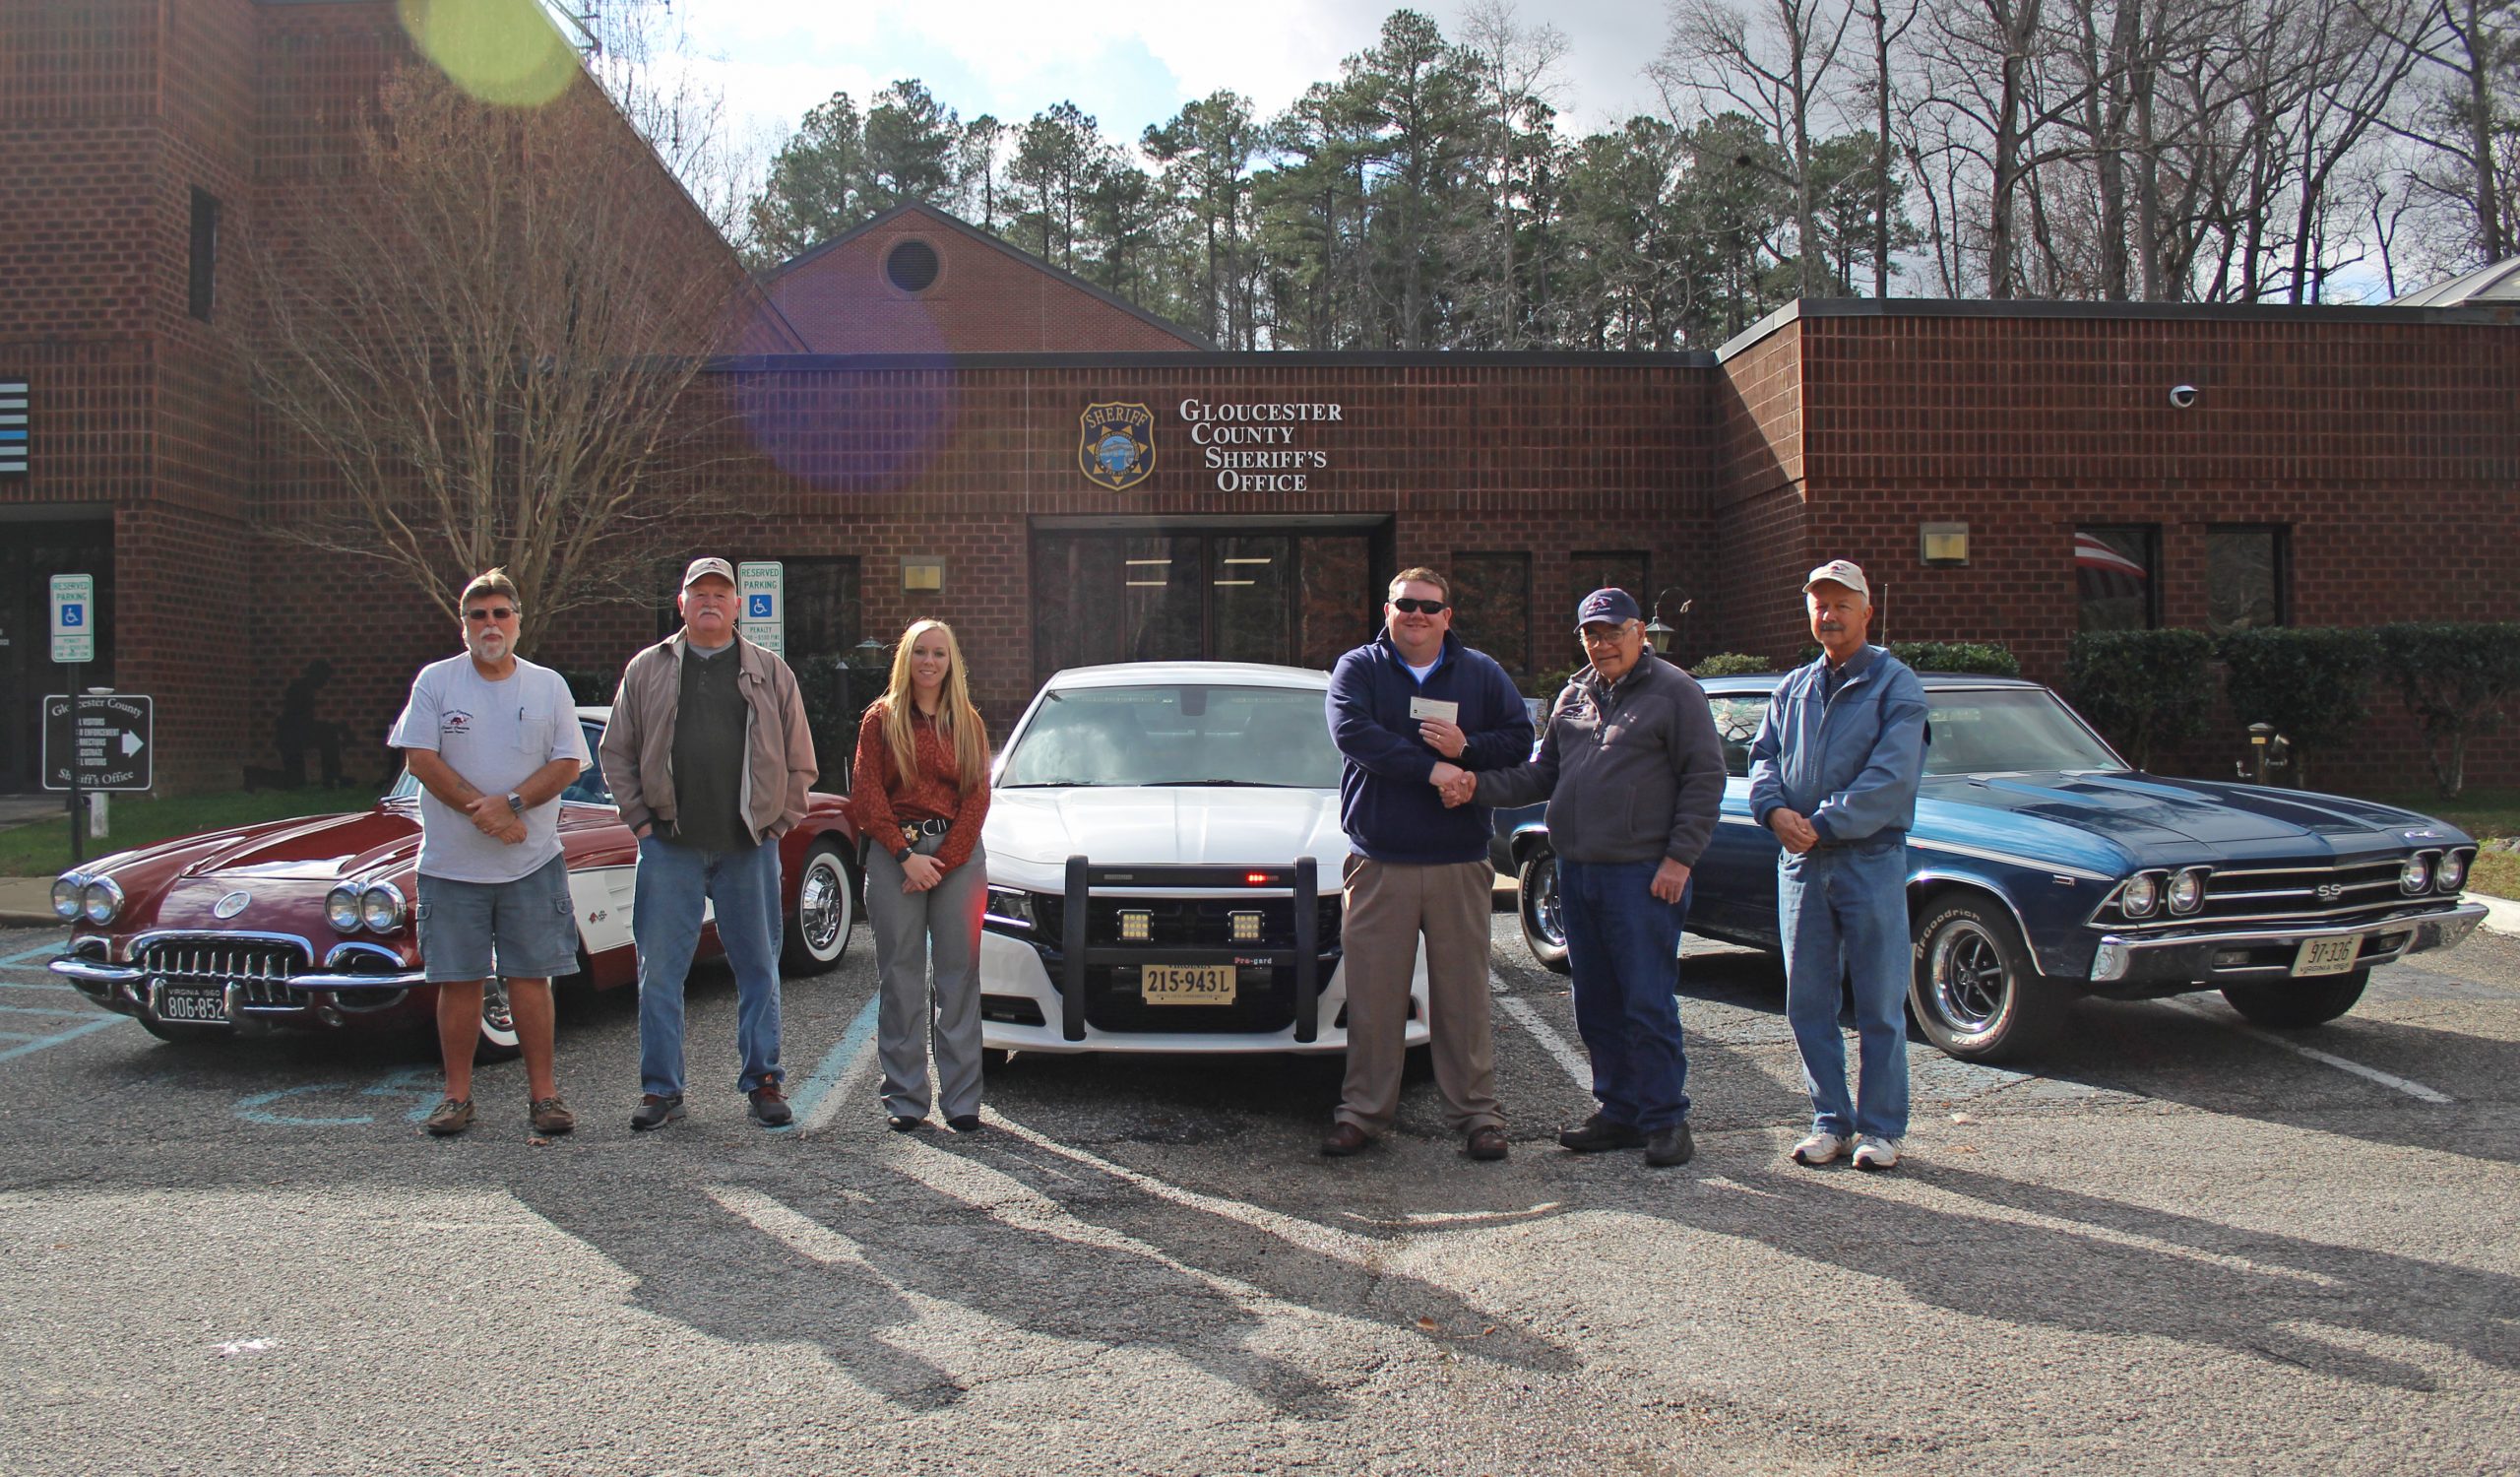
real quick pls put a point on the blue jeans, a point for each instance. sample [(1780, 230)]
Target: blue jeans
[(1622, 947), (664, 922), (1844, 915)]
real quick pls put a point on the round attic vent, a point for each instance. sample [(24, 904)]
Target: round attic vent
[(911, 266)]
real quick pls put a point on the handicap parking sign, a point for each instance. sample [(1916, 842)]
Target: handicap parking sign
[(759, 609), (74, 615)]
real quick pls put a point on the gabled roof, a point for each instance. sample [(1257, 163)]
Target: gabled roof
[(2497, 283), (929, 215)]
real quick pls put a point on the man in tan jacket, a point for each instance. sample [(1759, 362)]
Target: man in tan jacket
[(709, 759)]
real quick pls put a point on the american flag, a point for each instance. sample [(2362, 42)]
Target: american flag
[(2103, 571), (13, 425)]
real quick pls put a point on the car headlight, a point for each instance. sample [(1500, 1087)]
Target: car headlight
[(1009, 906), (2416, 874), (2187, 890), (341, 909), (381, 908), (2141, 895), (2452, 873), (65, 895), (101, 900)]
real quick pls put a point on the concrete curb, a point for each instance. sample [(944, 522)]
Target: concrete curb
[(2502, 915), (27, 902)]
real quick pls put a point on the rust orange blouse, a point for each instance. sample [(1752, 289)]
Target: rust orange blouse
[(880, 799)]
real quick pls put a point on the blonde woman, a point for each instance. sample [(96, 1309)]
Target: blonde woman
[(920, 792)]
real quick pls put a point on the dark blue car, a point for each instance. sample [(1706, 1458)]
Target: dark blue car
[(2042, 867)]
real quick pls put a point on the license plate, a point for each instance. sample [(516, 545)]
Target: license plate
[(192, 1002), (2326, 956), (1186, 984)]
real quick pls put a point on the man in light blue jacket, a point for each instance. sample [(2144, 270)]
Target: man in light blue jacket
[(1833, 774)]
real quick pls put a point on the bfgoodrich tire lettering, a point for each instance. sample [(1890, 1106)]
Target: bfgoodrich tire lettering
[(2303, 1002), (1973, 990), (1544, 925)]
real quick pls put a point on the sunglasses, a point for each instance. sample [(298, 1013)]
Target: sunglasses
[(493, 613), (1411, 606)]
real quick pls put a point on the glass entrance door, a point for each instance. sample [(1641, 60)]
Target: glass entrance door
[(1272, 596)]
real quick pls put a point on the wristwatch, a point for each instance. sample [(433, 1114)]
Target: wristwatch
[(901, 856), (516, 804)]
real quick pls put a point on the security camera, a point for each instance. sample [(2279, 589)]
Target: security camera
[(2182, 396)]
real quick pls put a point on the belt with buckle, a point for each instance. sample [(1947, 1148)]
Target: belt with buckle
[(912, 830)]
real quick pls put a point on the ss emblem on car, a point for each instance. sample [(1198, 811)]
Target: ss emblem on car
[(2330, 891)]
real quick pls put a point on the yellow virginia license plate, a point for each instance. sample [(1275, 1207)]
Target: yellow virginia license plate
[(2326, 956), (1186, 984)]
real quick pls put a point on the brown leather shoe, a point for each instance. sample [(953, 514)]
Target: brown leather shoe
[(1486, 1143), (1344, 1140)]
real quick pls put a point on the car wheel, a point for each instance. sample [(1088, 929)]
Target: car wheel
[(1973, 990), (498, 1041), (826, 910), (2311, 1003), (1544, 921)]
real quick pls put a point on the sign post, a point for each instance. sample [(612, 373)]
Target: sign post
[(74, 644), (762, 586)]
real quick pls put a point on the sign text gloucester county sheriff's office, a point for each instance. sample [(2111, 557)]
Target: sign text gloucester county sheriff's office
[(1251, 447)]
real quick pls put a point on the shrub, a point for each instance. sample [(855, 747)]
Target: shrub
[(2455, 678), (1983, 658), (2308, 681), (2147, 690), (1731, 663)]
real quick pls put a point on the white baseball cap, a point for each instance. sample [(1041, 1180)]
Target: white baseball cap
[(1840, 572)]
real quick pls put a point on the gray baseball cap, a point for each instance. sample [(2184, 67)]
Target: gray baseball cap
[(1840, 572), (718, 568)]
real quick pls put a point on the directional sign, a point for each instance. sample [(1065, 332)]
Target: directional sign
[(110, 740), (763, 587), (74, 617)]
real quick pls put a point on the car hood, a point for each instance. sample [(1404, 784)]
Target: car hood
[(318, 848), (1033, 832), (2155, 819)]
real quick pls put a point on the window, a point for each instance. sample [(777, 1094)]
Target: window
[(2246, 570), (204, 274), (911, 266), (1612, 571), (1492, 598), (2114, 577), (822, 607)]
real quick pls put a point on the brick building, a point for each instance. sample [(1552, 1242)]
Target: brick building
[(950, 427)]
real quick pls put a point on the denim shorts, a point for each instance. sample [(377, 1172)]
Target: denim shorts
[(525, 930)]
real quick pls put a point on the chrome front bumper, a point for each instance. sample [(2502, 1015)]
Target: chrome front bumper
[(2261, 954), (129, 990)]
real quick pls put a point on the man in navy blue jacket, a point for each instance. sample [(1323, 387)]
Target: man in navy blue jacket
[(1411, 710)]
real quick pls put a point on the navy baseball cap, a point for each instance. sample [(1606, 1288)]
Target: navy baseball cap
[(1606, 607)]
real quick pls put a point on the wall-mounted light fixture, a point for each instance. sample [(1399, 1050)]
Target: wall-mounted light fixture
[(1943, 545), (922, 572), (1658, 636)]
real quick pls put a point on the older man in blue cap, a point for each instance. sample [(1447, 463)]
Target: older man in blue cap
[(1634, 774), (1833, 774)]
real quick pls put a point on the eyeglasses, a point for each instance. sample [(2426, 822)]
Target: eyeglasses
[(1611, 637), (1409, 606), (493, 613)]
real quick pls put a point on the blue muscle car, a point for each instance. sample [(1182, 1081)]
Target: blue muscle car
[(2042, 866)]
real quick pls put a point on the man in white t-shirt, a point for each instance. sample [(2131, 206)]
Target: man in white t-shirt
[(493, 740)]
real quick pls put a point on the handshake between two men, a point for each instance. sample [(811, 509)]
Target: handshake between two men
[(1447, 738)]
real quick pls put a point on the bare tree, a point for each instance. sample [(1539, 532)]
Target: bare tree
[(1773, 65), (2470, 50), (1517, 71), (488, 331)]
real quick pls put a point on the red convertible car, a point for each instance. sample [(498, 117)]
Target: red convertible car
[(306, 922)]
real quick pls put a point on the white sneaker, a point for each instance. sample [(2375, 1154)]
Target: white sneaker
[(1875, 1153), (1819, 1148)]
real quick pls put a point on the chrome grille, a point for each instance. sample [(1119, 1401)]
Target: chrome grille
[(2312, 892), (262, 968)]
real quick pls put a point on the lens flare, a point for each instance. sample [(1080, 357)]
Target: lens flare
[(502, 51)]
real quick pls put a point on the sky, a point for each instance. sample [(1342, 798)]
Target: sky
[(1127, 65)]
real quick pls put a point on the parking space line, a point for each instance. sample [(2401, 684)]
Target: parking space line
[(2412, 1089), (36, 985), (837, 1063), (73, 1034), (42, 1010), (1555, 1045), (40, 950)]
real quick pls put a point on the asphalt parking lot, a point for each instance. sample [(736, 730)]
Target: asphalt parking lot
[(2180, 1244)]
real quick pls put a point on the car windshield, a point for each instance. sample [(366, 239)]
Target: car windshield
[(1993, 730), (588, 789), (1187, 734)]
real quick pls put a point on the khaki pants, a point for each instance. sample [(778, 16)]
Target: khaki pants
[(1389, 904)]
